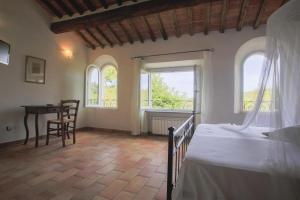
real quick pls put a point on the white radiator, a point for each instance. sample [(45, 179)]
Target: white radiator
[(160, 125)]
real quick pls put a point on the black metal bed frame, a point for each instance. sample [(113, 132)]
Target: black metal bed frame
[(179, 140)]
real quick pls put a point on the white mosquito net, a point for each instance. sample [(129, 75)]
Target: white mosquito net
[(278, 101)]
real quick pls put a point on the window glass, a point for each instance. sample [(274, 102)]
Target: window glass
[(252, 68), (93, 86), (109, 86), (172, 90), (145, 90)]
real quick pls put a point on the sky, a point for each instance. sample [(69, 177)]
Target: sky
[(252, 71), (182, 82)]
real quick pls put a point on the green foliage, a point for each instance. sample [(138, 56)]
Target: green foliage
[(250, 99), (164, 97), (110, 86)]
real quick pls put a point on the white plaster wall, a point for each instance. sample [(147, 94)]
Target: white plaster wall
[(225, 45), (26, 27)]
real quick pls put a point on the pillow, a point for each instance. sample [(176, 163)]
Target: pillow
[(288, 134)]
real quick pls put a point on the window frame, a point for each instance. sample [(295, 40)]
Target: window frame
[(241, 95), (100, 88)]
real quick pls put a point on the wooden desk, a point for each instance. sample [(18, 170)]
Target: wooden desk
[(37, 110)]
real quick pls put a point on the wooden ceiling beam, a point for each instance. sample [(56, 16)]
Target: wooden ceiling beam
[(151, 33), (121, 13), (65, 8), (190, 15), (223, 16), (176, 24), (259, 14), (114, 34), (94, 37), (104, 36), (77, 7), (162, 27), (104, 3), (127, 34), (89, 5), (136, 30), (90, 44), (53, 9), (242, 15), (207, 18)]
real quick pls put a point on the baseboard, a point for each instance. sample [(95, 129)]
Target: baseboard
[(105, 130)]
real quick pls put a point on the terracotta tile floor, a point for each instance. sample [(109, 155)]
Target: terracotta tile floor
[(100, 166)]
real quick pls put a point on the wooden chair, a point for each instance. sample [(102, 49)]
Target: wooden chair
[(65, 122)]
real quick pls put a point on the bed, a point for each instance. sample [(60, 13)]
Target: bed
[(219, 163)]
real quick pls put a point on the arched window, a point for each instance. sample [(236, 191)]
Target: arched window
[(251, 73), (102, 86), (249, 61)]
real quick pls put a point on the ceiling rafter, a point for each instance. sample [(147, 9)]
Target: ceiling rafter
[(121, 13), (176, 24), (103, 3), (150, 31), (77, 6), (65, 8), (127, 34), (89, 43), (162, 27), (94, 37), (89, 5), (114, 34), (136, 30), (102, 34), (259, 14), (242, 15), (53, 9), (223, 16), (207, 18), (190, 15)]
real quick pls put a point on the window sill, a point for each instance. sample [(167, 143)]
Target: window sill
[(168, 111), (102, 108)]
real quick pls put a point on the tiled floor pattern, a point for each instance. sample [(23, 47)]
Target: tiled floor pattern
[(99, 166)]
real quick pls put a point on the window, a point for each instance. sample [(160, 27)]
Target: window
[(252, 68), (109, 87), (168, 90), (102, 86), (249, 61), (93, 86)]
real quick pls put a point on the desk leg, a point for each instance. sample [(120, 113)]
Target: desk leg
[(36, 130), (26, 127)]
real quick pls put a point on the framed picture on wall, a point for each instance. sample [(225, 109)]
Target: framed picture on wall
[(4, 52), (35, 69)]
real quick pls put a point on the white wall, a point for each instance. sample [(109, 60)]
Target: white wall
[(26, 27), (225, 46)]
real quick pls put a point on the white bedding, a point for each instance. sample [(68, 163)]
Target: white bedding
[(224, 164)]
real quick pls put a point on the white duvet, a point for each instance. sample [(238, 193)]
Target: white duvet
[(223, 164)]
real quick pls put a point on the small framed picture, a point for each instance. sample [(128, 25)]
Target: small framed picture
[(4, 52), (35, 69)]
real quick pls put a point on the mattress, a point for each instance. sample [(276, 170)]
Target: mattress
[(224, 164)]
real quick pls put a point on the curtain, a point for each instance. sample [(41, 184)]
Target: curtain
[(278, 102), (136, 112), (204, 101)]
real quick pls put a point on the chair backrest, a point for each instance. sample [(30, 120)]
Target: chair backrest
[(70, 109)]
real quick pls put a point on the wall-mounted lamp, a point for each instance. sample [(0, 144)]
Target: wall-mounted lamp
[(67, 53)]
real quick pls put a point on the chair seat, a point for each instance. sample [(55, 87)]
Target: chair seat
[(58, 121)]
